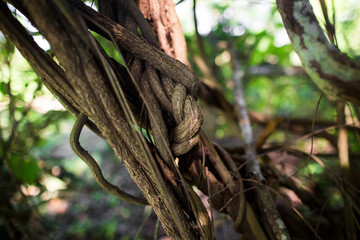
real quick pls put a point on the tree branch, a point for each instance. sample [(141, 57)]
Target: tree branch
[(127, 40), (272, 221), (332, 71)]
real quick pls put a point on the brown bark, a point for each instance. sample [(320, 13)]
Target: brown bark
[(87, 82), (97, 100)]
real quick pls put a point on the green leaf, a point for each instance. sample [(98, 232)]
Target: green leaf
[(3, 88), (25, 169), (7, 50), (108, 228)]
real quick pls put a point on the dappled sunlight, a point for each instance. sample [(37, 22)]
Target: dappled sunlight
[(46, 103), (53, 184), (30, 190), (251, 133), (57, 206)]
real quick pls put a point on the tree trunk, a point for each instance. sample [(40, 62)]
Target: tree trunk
[(88, 82), (332, 71)]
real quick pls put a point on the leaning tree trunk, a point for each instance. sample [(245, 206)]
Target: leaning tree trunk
[(151, 90), (332, 71)]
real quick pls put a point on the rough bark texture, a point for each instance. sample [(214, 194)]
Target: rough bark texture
[(332, 71), (166, 25), (95, 98), (87, 81)]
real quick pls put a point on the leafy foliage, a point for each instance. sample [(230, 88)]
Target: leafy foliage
[(39, 174)]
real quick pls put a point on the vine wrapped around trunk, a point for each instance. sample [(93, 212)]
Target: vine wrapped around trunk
[(151, 88)]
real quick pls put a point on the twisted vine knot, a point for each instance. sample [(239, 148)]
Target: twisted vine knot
[(162, 93), (181, 106), (188, 118)]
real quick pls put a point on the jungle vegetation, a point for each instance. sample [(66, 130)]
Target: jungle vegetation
[(198, 119)]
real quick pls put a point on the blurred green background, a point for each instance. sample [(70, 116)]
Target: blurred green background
[(50, 193)]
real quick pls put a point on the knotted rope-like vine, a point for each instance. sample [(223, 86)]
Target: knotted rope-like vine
[(168, 87), (187, 116), (168, 92), (165, 97)]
